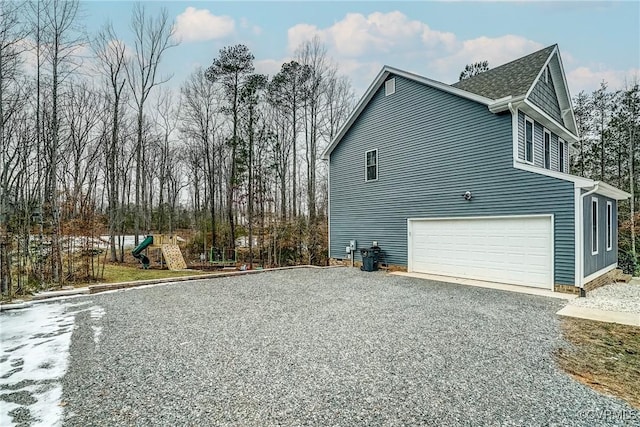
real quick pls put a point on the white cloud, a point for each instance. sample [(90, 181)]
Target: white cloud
[(200, 25), (357, 34), (587, 79), (269, 67), (497, 51)]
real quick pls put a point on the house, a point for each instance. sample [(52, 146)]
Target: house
[(472, 179)]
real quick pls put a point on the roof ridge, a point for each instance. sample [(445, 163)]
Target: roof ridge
[(513, 78), (512, 61)]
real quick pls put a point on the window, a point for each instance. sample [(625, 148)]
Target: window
[(547, 149), (609, 226), (561, 155), (545, 74), (528, 140), (594, 226), (371, 165), (389, 87)]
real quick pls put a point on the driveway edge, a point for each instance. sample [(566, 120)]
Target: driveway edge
[(94, 289)]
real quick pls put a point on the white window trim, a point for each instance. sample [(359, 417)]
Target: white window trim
[(595, 235), (609, 226), (561, 149), (390, 87), (365, 165), (533, 141), (546, 132)]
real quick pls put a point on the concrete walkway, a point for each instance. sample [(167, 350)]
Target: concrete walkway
[(490, 285), (569, 310), (632, 319)]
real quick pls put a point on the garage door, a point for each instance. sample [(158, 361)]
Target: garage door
[(515, 250)]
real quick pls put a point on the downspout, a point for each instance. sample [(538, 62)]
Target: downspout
[(514, 130), (580, 223)]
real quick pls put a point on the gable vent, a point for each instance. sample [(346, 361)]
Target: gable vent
[(390, 87)]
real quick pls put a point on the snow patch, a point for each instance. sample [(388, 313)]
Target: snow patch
[(35, 349)]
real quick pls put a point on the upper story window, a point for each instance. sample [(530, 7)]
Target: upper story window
[(545, 74), (594, 226), (371, 165), (528, 140), (561, 155), (609, 226), (547, 149), (390, 87)]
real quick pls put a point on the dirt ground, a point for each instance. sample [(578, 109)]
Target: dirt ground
[(605, 356)]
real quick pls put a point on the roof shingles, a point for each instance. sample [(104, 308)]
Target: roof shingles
[(513, 78)]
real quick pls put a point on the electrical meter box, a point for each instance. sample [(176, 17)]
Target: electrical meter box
[(352, 245)]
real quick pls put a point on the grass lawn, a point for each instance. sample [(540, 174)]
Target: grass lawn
[(605, 356), (114, 273)]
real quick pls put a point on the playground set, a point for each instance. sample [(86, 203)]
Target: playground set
[(168, 248), (168, 252)]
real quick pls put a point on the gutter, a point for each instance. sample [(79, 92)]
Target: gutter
[(505, 103), (580, 223)]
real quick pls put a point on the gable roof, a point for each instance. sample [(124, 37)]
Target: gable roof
[(511, 79), (497, 88)]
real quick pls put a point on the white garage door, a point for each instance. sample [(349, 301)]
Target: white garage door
[(515, 250)]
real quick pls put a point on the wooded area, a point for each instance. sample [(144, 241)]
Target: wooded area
[(609, 126), (100, 144)]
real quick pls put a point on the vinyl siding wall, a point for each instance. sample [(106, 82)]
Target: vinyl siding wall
[(538, 145), (544, 96), (603, 258), (432, 147)]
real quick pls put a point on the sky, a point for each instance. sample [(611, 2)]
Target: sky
[(597, 40)]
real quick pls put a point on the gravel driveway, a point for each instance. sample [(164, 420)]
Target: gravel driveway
[(323, 347)]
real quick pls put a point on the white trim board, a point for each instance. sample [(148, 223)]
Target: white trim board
[(599, 273)]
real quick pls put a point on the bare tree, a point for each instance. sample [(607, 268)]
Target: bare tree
[(110, 53), (200, 121), (61, 42), (152, 38)]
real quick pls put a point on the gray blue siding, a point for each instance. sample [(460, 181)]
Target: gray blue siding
[(432, 147), (538, 145), (604, 257), (544, 96)]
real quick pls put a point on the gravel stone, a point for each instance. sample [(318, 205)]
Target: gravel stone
[(621, 297), (325, 347)]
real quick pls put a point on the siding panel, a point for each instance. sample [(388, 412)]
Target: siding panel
[(544, 96), (603, 258), (432, 147)]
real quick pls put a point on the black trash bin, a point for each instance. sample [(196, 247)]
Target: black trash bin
[(370, 258)]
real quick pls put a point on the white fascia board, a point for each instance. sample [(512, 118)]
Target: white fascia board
[(502, 104), (547, 121), (577, 180), (612, 192), (439, 85), (568, 95), (377, 82), (564, 88), (373, 88), (546, 63)]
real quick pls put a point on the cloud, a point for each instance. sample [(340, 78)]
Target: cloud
[(585, 78), (356, 34), (497, 51), (200, 25), (269, 67)]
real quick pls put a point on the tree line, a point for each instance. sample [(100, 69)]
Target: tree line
[(609, 151), (99, 143)]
